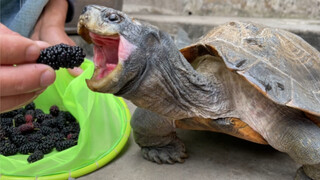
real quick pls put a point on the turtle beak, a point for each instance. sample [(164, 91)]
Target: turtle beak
[(110, 50)]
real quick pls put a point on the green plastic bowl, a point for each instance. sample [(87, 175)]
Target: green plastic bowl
[(104, 123)]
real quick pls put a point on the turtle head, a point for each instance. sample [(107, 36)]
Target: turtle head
[(121, 46)]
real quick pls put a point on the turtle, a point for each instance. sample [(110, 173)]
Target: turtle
[(244, 79)]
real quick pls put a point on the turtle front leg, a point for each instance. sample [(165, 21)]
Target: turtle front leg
[(157, 137)]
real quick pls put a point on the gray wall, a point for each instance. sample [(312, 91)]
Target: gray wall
[(309, 9)]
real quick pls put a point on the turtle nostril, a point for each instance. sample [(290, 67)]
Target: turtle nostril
[(84, 9)]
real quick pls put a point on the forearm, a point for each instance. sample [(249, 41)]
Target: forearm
[(50, 26)]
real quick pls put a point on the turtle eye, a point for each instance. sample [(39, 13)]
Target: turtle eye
[(114, 17)]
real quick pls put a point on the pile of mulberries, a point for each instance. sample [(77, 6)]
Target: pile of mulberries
[(32, 132), (62, 56)]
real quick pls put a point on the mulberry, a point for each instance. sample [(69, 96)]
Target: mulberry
[(62, 55), (8, 149), (69, 117), (30, 130), (11, 131), (35, 137), (49, 122), (46, 146), (21, 111), (2, 133), (19, 119), (37, 114), (67, 130), (28, 148), (6, 121), (56, 137), (54, 110), (31, 112), (18, 140), (30, 106), (37, 155), (28, 118), (73, 136), (26, 128), (9, 114), (45, 130), (62, 145), (42, 117), (60, 121), (36, 125)]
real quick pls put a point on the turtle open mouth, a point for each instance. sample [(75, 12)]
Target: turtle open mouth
[(111, 50), (106, 53)]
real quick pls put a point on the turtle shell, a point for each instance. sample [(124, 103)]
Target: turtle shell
[(281, 65)]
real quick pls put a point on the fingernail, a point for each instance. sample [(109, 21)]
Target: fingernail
[(47, 78), (32, 53)]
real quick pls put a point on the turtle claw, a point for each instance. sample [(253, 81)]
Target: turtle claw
[(169, 154)]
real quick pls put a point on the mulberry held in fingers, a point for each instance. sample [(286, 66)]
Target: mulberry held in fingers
[(62, 55)]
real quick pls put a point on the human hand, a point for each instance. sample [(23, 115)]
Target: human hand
[(21, 80), (50, 27)]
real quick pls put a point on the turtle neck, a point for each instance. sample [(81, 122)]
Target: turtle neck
[(171, 87)]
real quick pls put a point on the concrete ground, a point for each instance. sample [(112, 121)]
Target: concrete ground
[(211, 156)]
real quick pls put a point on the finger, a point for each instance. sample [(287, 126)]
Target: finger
[(75, 71), (9, 103), (27, 78), (17, 50)]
